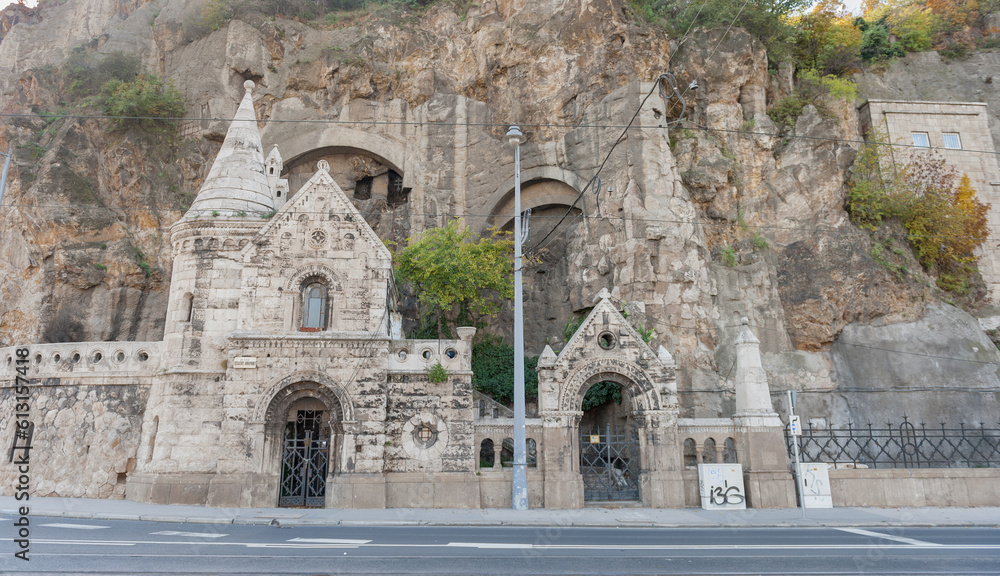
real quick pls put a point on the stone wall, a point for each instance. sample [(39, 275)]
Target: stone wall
[(894, 488), (85, 438)]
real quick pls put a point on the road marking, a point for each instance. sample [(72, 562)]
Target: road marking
[(75, 526), (490, 545), (189, 534), (328, 541), (300, 546), (901, 539), (550, 547)]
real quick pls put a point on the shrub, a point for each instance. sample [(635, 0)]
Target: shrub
[(945, 223), (602, 393), (788, 109), (759, 243), (454, 274), (765, 20), (147, 102), (728, 256), (493, 370), (875, 45), (88, 73), (437, 373)]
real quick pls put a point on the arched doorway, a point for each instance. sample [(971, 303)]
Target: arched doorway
[(305, 455), (610, 459), (303, 442), (638, 439)]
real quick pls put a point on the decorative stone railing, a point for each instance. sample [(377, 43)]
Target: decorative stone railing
[(85, 359), (707, 440), (421, 355)]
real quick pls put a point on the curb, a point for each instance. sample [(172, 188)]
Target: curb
[(479, 522)]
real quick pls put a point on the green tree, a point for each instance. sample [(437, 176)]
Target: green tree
[(875, 45), (452, 274)]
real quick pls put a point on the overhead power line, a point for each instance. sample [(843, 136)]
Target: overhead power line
[(475, 216), (426, 123)]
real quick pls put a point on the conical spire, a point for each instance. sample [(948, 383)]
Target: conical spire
[(236, 184)]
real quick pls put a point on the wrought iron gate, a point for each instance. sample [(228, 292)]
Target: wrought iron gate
[(609, 462), (304, 461)]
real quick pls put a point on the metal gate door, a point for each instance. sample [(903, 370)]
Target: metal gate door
[(609, 462), (304, 462)]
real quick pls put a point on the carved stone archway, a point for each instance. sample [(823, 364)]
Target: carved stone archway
[(607, 348), (303, 391)]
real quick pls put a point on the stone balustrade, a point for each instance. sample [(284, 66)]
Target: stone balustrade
[(87, 358), (421, 355)]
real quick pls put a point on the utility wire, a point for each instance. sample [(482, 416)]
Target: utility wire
[(658, 85), (475, 216), (660, 323)]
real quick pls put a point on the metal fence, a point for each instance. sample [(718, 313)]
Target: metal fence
[(902, 446)]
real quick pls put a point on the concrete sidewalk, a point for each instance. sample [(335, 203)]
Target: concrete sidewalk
[(586, 517)]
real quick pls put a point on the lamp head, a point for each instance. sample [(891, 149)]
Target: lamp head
[(514, 136)]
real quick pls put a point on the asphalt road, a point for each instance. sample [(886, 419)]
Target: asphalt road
[(134, 547)]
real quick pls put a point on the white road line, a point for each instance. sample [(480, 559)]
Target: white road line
[(328, 541), (489, 545), (551, 547), (901, 539), (189, 534), (301, 546), (75, 526)]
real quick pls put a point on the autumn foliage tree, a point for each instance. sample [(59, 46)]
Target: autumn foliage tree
[(945, 223)]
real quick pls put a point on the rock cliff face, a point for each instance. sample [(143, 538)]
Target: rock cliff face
[(410, 110)]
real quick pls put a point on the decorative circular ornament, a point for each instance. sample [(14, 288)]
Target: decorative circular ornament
[(425, 436), (317, 239), (323, 165)]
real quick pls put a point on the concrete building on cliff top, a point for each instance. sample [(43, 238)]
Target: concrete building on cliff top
[(282, 380)]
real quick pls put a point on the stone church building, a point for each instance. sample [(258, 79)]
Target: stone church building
[(282, 380)]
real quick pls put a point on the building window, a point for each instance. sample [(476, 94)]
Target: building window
[(314, 301), (952, 140), (188, 307), (920, 140)]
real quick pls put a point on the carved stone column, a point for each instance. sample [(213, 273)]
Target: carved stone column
[(766, 473), (660, 482), (563, 482)]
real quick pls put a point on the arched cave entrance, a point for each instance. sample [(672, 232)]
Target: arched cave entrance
[(372, 183), (547, 274)]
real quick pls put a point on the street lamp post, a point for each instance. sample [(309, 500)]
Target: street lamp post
[(519, 494)]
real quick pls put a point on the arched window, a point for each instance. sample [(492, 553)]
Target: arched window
[(188, 307), (690, 454), (729, 454), (708, 451), (486, 456), (314, 305)]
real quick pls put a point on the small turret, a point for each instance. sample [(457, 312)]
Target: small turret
[(278, 185)]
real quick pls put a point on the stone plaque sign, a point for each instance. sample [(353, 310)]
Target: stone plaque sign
[(721, 487), (245, 362), (816, 491)]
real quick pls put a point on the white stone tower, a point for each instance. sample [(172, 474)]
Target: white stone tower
[(205, 282)]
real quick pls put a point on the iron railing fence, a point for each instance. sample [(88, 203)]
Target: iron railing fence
[(902, 446)]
